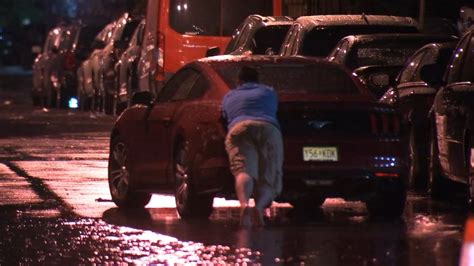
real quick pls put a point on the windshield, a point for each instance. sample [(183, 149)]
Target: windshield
[(321, 79), (389, 53), (214, 17)]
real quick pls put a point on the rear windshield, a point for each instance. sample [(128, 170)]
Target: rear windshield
[(270, 37), (214, 17), (391, 53), (321, 79), (321, 40)]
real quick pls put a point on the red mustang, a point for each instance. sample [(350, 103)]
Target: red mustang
[(338, 141)]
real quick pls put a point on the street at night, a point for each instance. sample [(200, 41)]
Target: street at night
[(55, 208), (224, 132)]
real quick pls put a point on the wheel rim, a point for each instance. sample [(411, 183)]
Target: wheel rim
[(119, 174), (182, 180)]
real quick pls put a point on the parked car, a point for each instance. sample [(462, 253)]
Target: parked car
[(377, 58), (259, 35), (339, 141), (452, 138), (42, 88), (413, 94), (318, 35), (54, 70), (87, 73), (122, 34), (126, 80)]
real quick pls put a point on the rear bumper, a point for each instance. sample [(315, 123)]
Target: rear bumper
[(347, 184)]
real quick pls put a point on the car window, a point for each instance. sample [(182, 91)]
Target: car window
[(179, 86), (125, 32), (86, 36), (408, 72), (195, 18), (382, 52), (269, 37), (319, 41), (199, 88), (234, 12), (66, 39), (321, 79), (339, 52)]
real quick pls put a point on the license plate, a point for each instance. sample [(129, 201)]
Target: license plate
[(320, 154)]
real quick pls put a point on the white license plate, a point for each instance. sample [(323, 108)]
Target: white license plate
[(320, 154)]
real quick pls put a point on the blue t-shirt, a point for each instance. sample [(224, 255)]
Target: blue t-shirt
[(250, 101)]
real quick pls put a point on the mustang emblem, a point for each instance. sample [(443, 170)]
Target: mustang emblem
[(316, 124)]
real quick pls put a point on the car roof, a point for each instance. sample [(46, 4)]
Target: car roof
[(366, 38), (362, 19)]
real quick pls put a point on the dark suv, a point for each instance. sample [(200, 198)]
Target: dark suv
[(452, 131), (413, 94), (54, 70)]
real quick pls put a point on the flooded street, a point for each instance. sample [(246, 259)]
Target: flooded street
[(55, 208)]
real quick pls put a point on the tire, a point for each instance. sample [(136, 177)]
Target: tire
[(388, 201), (119, 178), (189, 203), (436, 182), (307, 203)]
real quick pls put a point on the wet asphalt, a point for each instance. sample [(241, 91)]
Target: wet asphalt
[(55, 208)]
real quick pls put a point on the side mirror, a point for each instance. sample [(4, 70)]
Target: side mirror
[(432, 75), (142, 97), (212, 51), (379, 80)]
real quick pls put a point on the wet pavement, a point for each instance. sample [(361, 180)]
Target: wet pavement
[(55, 208)]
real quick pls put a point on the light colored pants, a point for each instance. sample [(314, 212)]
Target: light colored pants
[(256, 148)]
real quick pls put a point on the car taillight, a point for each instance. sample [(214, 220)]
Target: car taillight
[(385, 124), (69, 61)]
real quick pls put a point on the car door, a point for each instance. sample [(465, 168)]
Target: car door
[(159, 122)]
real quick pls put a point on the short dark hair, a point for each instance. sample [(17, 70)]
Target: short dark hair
[(248, 74)]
